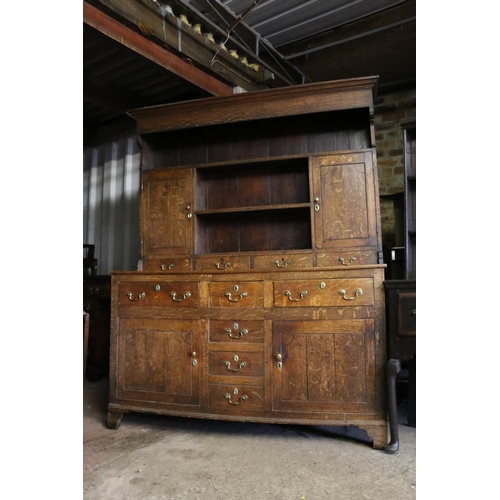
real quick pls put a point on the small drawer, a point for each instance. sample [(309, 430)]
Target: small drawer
[(168, 265), (222, 263), (159, 294), (291, 261), (236, 398), (345, 259), (240, 331), (328, 292), (232, 363), (101, 291), (407, 314), (241, 294)]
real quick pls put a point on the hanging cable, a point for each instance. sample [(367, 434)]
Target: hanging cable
[(233, 25)]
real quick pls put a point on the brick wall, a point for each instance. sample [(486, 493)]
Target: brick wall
[(391, 109)]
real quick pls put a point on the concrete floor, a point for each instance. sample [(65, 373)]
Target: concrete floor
[(154, 457)]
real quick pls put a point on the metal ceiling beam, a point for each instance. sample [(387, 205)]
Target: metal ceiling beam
[(152, 51), (245, 38), (350, 38)]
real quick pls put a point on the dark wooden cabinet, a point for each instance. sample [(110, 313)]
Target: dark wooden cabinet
[(261, 292), (97, 303), (402, 334)]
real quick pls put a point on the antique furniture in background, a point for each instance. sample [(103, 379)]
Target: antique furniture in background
[(85, 339), (260, 296), (89, 262), (401, 296), (97, 303)]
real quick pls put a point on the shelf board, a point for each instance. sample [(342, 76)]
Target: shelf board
[(259, 208)]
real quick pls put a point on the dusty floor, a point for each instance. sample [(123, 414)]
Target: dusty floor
[(154, 457)]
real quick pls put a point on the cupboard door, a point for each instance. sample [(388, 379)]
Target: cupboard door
[(324, 366), (167, 212), (344, 208), (159, 360)]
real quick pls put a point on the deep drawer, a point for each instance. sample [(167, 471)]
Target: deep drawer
[(241, 294), (243, 331), (328, 292), (159, 294)]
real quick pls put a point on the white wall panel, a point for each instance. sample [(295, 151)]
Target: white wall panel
[(111, 179)]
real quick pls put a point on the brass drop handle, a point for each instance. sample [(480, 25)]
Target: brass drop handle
[(228, 396), (241, 296), (189, 215), (241, 365), (341, 260), (285, 263), (288, 295), (358, 292), (162, 266), (229, 332), (185, 295), (194, 362), (139, 297), (222, 265), (316, 204)]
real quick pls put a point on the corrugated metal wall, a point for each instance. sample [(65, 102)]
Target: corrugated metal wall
[(111, 179)]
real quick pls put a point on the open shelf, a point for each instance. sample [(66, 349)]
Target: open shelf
[(259, 208), (253, 207), (248, 231)]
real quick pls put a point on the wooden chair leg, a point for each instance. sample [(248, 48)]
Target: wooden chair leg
[(86, 319), (393, 367)]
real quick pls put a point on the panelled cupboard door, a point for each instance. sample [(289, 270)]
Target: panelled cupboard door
[(167, 212), (159, 360), (344, 200), (324, 366)]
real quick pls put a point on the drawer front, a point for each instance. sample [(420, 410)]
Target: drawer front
[(241, 294), (345, 259), (233, 363), (159, 294), (273, 262), (236, 399), (328, 292), (167, 264), (407, 314), (100, 291), (240, 331), (222, 263)]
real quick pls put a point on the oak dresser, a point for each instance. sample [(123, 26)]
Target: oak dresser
[(260, 291)]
